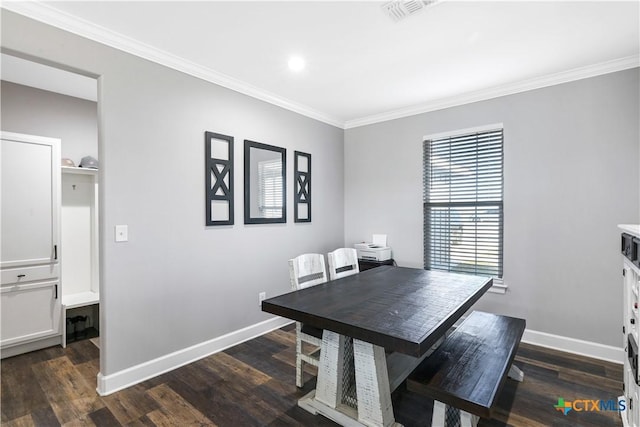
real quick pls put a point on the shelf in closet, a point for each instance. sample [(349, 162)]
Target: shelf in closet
[(80, 299), (79, 171)]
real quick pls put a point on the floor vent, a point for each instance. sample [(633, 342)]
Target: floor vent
[(397, 10)]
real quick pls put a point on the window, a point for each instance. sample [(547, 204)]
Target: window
[(463, 209), (270, 188)]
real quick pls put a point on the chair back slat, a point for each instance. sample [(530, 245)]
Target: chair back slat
[(345, 268), (310, 277), (343, 262)]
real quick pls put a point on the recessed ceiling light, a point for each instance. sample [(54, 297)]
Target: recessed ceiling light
[(296, 63)]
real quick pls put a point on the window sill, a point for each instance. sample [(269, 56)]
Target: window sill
[(498, 287)]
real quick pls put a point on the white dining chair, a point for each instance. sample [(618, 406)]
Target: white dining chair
[(307, 270), (343, 262)]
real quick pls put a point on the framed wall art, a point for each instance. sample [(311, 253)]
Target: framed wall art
[(218, 178), (302, 185)]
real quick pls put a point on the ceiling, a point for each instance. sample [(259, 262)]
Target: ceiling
[(361, 65)]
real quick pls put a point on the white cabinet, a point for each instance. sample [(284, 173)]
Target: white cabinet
[(30, 226), (29, 312), (630, 239), (30, 200)]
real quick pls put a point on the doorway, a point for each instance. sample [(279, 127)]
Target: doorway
[(50, 102)]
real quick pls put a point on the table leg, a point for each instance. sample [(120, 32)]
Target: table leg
[(372, 384), (330, 369), (326, 399), (438, 416), (462, 418), (515, 373)]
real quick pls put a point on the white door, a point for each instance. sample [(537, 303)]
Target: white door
[(30, 179), (29, 312)]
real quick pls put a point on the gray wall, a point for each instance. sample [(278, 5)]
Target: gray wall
[(177, 283), (39, 112), (571, 161)]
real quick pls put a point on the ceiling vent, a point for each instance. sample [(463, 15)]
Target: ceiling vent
[(397, 10)]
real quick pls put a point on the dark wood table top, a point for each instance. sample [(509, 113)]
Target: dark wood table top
[(401, 309)]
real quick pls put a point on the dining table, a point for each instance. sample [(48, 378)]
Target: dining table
[(378, 325)]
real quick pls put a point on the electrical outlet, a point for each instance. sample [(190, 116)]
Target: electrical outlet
[(261, 297)]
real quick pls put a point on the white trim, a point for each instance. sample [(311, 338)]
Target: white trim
[(575, 346), (81, 27), (33, 139), (52, 16), (31, 346), (117, 381), (498, 287), (460, 132), (630, 228), (501, 90), (623, 413)]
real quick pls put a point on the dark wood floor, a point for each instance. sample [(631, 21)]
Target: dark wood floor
[(253, 384)]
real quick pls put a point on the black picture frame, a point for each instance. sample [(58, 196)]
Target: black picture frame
[(218, 172), (302, 187), (251, 196)]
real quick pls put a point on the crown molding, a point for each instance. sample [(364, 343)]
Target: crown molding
[(502, 90), (81, 27)]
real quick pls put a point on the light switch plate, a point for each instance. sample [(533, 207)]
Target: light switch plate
[(122, 233)]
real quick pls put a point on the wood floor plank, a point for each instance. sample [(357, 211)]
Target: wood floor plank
[(613, 371), (104, 418), (578, 377), (82, 352), (45, 417), (20, 394), (143, 421), (568, 360), (196, 376), (67, 391), (217, 403), (256, 411), (262, 361), (88, 371), (590, 380), (253, 384), (82, 421), (231, 369), (174, 410), (130, 404), (24, 421), (283, 337), (512, 419)]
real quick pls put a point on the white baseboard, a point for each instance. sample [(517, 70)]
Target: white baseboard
[(575, 346), (111, 383), (108, 384), (32, 346)]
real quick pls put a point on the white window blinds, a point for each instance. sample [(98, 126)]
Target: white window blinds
[(463, 209), (270, 188)]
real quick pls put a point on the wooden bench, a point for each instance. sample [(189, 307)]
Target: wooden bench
[(469, 369)]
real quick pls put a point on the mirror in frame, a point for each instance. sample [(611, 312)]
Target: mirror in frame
[(265, 189)]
